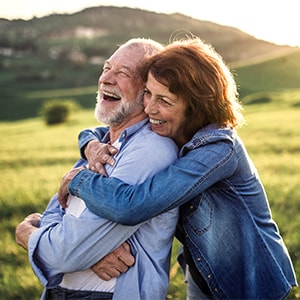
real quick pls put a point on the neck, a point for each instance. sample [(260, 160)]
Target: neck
[(116, 129), (180, 141)]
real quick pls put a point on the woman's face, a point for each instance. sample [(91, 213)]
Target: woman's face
[(166, 111)]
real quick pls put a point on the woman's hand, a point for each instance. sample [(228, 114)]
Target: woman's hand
[(63, 191), (99, 154)]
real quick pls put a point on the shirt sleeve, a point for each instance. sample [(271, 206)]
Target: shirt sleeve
[(188, 177)]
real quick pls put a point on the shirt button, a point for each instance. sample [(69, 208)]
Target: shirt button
[(216, 289), (199, 259), (209, 276)]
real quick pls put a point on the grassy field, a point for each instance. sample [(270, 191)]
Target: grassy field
[(33, 158)]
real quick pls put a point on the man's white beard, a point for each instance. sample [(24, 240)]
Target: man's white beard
[(118, 115)]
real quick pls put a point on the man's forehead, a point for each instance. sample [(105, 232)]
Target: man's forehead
[(127, 58)]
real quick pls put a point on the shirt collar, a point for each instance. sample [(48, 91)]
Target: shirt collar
[(125, 134)]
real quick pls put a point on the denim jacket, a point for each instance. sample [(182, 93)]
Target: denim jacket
[(225, 215)]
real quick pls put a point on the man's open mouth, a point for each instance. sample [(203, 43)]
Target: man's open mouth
[(110, 97)]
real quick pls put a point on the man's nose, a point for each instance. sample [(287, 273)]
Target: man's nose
[(107, 77)]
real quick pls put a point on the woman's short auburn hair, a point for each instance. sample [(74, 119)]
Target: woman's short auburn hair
[(194, 71)]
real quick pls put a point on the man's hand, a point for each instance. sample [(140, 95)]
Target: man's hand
[(115, 263), (25, 228), (99, 154), (63, 191)]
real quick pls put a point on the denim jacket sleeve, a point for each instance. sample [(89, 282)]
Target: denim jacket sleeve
[(88, 135), (188, 177)]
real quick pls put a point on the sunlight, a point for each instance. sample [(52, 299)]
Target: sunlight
[(275, 21)]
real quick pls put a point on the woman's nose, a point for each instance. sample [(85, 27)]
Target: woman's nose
[(150, 107)]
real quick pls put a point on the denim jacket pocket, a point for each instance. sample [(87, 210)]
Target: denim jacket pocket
[(197, 214)]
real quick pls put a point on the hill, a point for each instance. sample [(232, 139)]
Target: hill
[(271, 75), (60, 56), (96, 32)]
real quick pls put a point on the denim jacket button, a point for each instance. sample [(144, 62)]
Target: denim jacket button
[(191, 206)]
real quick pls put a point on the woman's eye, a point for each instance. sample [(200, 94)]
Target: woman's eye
[(164, 101)]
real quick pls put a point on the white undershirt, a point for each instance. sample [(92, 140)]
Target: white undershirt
[(84, 280)]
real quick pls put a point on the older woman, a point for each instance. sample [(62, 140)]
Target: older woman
[(232, 246)]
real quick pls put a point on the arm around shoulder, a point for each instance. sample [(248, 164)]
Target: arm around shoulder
[(188, 177)]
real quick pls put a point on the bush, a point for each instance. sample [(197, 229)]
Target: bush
[(58, 111), (258, 98)]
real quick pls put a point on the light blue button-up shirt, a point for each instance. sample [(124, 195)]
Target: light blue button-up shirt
[(65, 243)]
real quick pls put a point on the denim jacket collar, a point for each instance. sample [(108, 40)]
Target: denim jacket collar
[(209, 134)]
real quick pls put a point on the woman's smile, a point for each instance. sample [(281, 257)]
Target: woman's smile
[(156, 122)]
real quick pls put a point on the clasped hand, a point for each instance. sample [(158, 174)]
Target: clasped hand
[(115, 263), (99, 154)]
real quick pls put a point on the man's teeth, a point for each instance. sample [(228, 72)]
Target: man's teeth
[(107, 94), (156, 122)]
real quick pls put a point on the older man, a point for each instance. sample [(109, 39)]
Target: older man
[(68, 242)]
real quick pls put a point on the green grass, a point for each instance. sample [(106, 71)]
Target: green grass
[(33, 158), (272, 139)]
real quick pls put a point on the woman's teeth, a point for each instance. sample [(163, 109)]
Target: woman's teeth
[(157, 122)]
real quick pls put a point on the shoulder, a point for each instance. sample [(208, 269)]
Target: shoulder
[(156, 144), (146, 153), (213, 136), (153, 139)]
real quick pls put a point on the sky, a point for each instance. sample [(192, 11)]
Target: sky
[(276, 21)]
